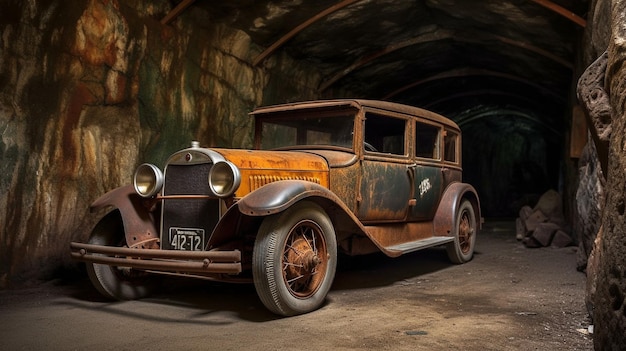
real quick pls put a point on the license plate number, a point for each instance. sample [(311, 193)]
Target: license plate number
[(187, 239)]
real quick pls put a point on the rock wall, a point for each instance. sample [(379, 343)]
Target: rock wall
[(92, 88), (593, 98), (601, 204), (609, 300), (589, 203)]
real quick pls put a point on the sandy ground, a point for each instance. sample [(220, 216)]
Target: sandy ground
[(507, 298)]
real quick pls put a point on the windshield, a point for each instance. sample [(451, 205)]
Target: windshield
[(300, 130)]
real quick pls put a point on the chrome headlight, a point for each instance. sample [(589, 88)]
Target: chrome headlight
[(148, 180), (224, 179)]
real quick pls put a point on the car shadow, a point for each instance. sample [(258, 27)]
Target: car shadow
[(376, 270), (205, 298)]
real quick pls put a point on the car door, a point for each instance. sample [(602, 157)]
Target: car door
[(427, 171), (385, 185)]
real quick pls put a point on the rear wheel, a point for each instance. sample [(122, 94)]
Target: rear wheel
[(294, 259), (113, 282), (465, 230)]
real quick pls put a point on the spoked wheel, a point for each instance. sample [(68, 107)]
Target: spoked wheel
[(294, 259), (113, 282), (462, 249)]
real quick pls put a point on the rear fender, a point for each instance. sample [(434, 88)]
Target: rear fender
[(443, 223), (139, 224)]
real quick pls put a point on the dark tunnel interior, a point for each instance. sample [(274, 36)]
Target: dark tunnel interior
[(513, 137), (501, 70)]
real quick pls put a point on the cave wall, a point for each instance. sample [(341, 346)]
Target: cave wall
[(600, 197), (609, 300), (90, 89), (589, 192)]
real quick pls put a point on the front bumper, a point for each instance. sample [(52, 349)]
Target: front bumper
[(196, 262)]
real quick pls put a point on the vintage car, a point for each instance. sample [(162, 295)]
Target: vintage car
[(324, 177)]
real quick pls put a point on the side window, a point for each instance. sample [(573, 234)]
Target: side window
[(384, 134), (427, 140), (450, 141)]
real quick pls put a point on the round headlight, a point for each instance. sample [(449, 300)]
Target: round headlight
[(224, 178), (148, 180)]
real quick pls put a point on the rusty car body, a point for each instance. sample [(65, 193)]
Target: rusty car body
[(324, 177)]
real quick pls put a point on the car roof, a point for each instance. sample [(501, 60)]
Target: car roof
[(358, 104)]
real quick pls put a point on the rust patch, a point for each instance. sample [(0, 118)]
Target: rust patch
[(80, 97), (116, 88), (99, 33)]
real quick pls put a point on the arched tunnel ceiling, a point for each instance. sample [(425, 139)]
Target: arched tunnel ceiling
[(449, 56), (503, 70)]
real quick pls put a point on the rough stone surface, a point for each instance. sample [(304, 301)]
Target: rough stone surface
[(535, 218), (525, 212), (551, 205), (520, 223), (594, 97), (589, 202), (592, 272), (609, 301), (520, 229), (90, 89), (561, 239), (544, 233), (531, 242), (537, 226)]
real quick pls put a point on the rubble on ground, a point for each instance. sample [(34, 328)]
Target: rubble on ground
[(544, 225)]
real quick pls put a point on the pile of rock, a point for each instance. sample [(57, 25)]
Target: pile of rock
[(543, 225)]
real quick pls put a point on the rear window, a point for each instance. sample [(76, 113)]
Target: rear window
[(450, 141)]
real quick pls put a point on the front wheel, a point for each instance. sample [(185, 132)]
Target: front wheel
[(294, 259), (116, 283), (465, 230)]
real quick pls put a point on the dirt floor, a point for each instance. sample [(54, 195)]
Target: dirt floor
[(507, 298)]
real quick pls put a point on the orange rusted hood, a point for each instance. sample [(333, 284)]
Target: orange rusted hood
[(274, 160), (260, 167)]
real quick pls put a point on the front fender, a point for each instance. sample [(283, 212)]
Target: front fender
[(247, 213), (443, 223), (139, 224), (278, 196)]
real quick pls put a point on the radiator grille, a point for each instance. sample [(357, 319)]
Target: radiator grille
[(194, 214), (257, 181), (187, 179)]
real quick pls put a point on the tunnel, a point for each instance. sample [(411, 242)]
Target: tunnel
[(505, 74), (92, 89)]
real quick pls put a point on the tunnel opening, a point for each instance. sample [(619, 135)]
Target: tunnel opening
[(509, 157)]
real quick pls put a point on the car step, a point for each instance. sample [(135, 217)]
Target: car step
[(421, 244)]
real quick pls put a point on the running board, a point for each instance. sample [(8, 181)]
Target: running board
[(420, 244)]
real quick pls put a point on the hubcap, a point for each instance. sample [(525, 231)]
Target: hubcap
[(465, 232), (304, 259)]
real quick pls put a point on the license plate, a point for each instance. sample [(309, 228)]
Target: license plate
[(189, 239)]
